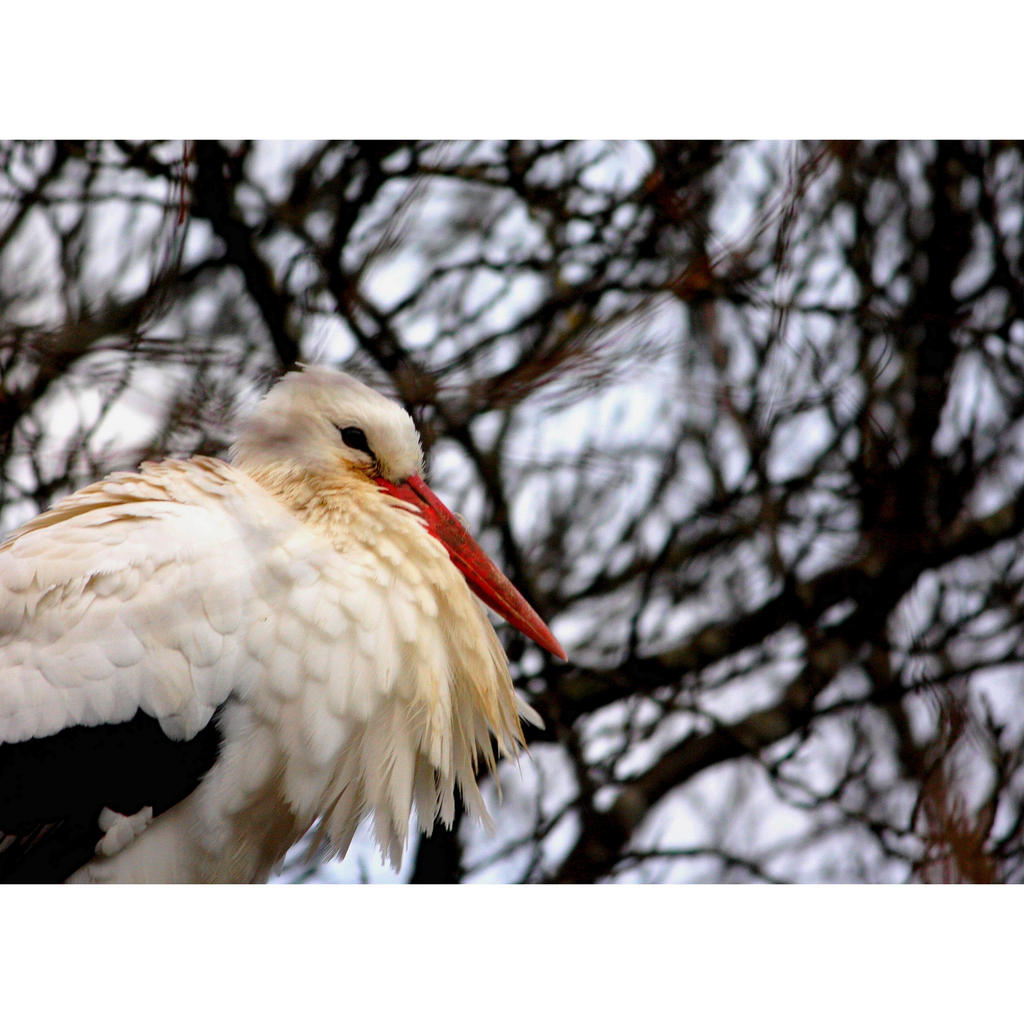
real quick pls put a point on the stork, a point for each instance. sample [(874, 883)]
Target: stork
[(202, 661)]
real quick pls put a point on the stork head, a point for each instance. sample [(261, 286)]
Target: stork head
[(324, 421)]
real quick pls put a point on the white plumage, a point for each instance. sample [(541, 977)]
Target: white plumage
[(291, 617)]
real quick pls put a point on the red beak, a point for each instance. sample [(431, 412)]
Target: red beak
[(485, 579)]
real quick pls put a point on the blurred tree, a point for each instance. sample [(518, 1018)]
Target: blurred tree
[(744, 421)]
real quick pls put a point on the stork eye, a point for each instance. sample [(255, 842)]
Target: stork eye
[(355, 438)]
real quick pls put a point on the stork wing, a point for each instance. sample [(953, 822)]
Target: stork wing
[(53, 789), (120, 637), (129, 607)]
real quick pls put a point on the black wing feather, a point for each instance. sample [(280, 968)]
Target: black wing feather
[(53, 789)]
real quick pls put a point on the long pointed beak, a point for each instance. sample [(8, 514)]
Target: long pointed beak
[(485, 579)]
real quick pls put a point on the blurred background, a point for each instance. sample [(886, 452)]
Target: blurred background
[(744, 421)]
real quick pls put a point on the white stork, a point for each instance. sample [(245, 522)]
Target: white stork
[(202, 660)]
